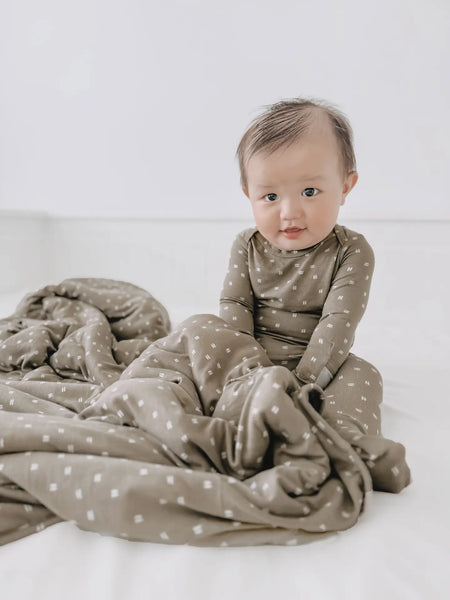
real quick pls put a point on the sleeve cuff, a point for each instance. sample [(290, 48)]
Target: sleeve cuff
[(324, 378)]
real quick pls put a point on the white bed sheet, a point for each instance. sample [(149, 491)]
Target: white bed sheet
[(399, 549)]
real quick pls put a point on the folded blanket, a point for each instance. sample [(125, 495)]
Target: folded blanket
[(191, 436)]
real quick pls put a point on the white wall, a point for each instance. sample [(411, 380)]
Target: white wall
[(134, 107)]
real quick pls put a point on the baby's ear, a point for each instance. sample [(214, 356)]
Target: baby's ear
[(245, 190), (349, 183)]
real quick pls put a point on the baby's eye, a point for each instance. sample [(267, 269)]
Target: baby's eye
[(266, 197), (310, 195)]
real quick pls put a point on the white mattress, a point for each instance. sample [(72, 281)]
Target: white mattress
[(399, 549)]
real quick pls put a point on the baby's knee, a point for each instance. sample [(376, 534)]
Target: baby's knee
[(375, 371), (370, 373)]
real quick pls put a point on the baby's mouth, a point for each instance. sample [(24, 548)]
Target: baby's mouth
[(292, 233)]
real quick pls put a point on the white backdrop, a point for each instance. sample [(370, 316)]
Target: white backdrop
[(134, 107)]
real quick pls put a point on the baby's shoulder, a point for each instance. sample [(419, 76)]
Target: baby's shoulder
[(246, 234), (348, 238), (243, 238), (353, 243)]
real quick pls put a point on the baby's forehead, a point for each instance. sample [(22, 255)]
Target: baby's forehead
[(323, 144)]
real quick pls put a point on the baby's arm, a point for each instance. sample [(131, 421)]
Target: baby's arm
[(236, 297), (343, 309)]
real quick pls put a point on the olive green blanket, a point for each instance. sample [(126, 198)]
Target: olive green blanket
[(112, 421)]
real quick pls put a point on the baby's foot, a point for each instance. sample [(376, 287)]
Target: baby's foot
[(385, 460)]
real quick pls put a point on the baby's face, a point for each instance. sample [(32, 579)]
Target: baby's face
[(298, 187)]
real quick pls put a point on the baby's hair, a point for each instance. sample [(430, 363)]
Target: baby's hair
[(285, 122)]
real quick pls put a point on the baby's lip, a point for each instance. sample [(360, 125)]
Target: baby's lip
[(293, 229)]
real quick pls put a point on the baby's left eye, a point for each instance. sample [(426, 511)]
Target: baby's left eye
[(310, 195)]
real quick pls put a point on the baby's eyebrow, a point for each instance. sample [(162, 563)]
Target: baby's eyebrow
[(306, 178)]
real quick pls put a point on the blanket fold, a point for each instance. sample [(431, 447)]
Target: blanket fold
[(192, 436)]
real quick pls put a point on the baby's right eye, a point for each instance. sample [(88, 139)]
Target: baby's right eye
[(267, 196)]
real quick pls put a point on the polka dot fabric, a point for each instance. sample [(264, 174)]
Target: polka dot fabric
[(191, 436), (303, 306)]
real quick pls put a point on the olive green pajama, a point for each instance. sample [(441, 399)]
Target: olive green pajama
[(303, 307)]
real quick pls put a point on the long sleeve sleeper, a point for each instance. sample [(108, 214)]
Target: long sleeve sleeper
[(303, 307)]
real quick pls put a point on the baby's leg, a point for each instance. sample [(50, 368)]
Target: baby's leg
[(352, 407), (354, 395)]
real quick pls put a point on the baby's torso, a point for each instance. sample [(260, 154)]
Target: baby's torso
[(290, 289)]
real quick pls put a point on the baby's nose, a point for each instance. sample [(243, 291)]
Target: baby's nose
[(291, 208)]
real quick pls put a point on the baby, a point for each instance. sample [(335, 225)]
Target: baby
[(298, 281)]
